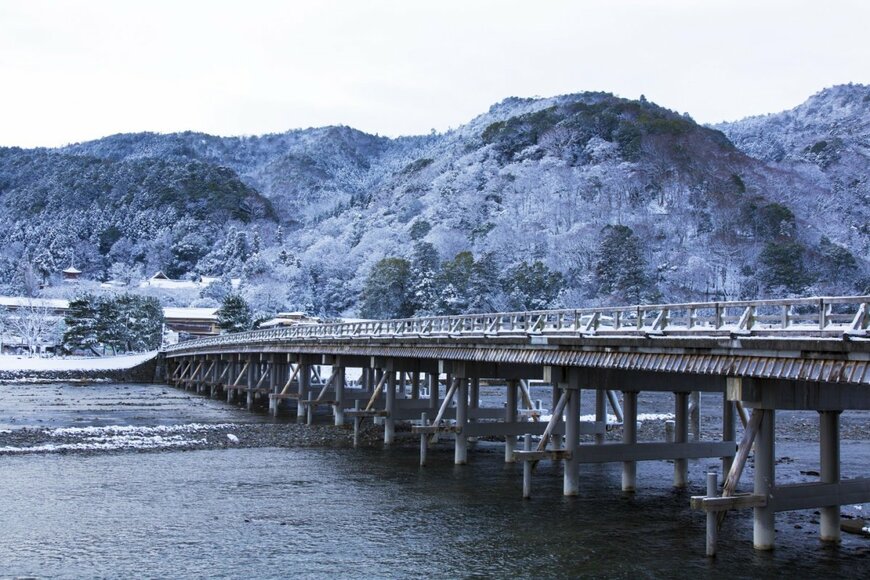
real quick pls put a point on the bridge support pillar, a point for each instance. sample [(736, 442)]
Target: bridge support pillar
[(728, 429), (432, 380), (571, 482), (415, 385), (510, 441), (695, 414), (629, 437), (829, 448), (681, 435), (763, 533), (234, 372), (304, 385), (338, 408), (460, 455), (600, 413), (253, 365), (389, 420), (556, 439)]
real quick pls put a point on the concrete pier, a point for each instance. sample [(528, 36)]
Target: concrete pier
[(571, 484), (681, 435), (390, 419), (763, 533), (510, 439), (829, 448), (461, 445), (629, 437)]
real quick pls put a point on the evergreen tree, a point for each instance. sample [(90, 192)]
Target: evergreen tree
[(620, 268), (781, 266), (456, 281), (139, 323), (234, 315), (387, 290), (532, 287), (484, 284), (424, 289), (82, 324)]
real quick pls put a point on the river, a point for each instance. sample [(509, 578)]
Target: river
[(273, 512)]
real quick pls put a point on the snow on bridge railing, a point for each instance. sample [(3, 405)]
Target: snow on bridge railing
[(844, 316)]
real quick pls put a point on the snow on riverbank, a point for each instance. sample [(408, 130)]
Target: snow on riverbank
[(110, 363), (118, 437)]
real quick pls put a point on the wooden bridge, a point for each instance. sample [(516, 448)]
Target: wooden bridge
[(804, 354)]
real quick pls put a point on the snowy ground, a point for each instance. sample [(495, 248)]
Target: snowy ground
[(21, 363)]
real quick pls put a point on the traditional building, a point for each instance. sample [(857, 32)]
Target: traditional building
[(71, 274)]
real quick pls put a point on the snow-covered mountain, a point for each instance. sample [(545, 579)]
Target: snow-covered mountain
[(827, 141), (575, 199)]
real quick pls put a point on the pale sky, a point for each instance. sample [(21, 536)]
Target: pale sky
[(82, 69)]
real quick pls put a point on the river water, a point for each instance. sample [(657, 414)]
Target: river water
[(322, 512)]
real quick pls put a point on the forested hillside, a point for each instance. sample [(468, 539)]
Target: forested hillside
[(572, 200)]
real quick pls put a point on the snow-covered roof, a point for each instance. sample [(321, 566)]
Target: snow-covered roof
[(72, 270), (24, 302), (160, 280), (174, 313)]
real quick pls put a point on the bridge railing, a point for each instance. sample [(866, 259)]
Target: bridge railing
[(842, 316)]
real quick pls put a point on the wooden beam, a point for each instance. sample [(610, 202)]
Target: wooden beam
[(241, 374), (614, 452), (286, 388), (802, 496), (377, 392), (554, 418), (721, 504), (739, 463)]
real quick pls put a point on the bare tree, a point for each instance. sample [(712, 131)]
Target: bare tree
[(34, 324)]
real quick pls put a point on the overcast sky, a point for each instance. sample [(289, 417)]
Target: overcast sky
[(77, 70)]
